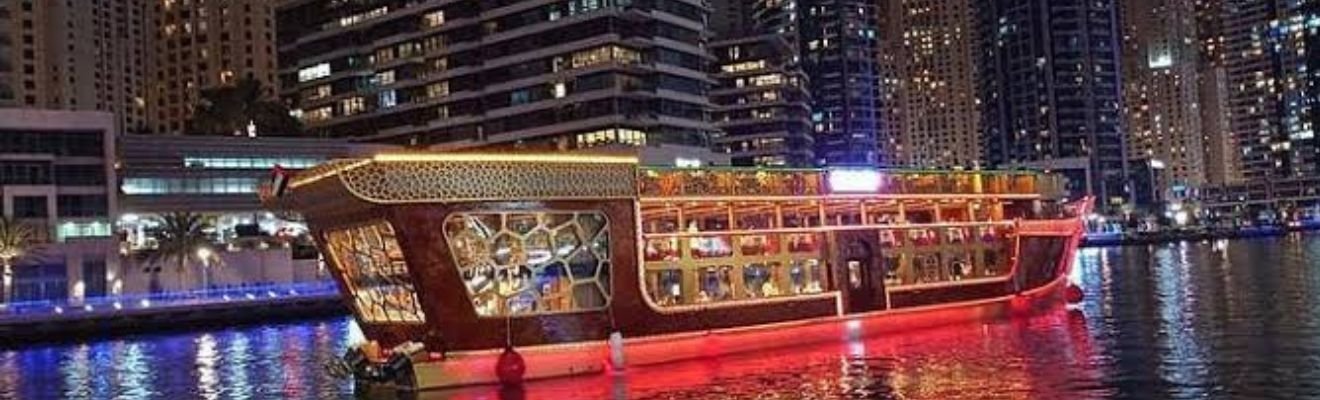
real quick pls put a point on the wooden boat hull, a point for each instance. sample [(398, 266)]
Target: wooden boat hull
[(576, 359), (467, 368)]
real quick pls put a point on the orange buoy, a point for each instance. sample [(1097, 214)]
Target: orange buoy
[(1074, 294), (510, 367)]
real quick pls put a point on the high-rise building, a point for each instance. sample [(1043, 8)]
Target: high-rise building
[(836, 40), (1265, 57), (196, 45), (761, 103), (928, 48), (732, 18), (1222, 160), (75, 55), (1049, 73), (1161, 73), (472, 73), (889, 124)]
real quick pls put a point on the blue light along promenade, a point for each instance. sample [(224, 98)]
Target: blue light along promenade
[(40, 320), (1173, 321)]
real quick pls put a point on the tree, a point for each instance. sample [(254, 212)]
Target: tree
[(227, 110), (16, 239), (181, 238)]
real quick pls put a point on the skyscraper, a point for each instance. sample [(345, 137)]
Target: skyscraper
[(475, 73), (1161, 73), (1223, 164), (1049, 73), (732, 18), (928, 48), (761, 103), (84, 55), (197, 45), (836, 40), (1266, 52)]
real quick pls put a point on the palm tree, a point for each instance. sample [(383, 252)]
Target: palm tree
[(16, 239), (228, 110), (182, 237)]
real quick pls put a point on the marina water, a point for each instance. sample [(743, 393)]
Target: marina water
[(1180, 321)]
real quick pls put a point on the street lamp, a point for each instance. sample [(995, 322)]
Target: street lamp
[(205, 254)]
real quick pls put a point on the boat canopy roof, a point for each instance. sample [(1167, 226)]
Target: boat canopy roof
[(415, 177)]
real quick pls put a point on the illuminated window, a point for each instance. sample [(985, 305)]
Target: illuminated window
[(744, 66), (372, 267), (434, 19), (684, 266), (611, 136), (169, 186), (314, 72), (353, 105), (765, 80), (383, 78), (438, 89), (318, 92), (532, 263), (605, 54), (362, 16), (250, 162), (318, 114)]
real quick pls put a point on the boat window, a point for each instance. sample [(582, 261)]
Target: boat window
[(808, 276), (730, 268), (534, 262), (917, 256), (375, 273)]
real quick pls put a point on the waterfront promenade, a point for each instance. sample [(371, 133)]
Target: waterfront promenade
[(45, 320)]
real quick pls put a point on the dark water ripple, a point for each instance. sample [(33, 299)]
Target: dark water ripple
[(1179, 321)]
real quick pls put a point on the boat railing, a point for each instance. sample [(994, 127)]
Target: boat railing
[(708, 182)]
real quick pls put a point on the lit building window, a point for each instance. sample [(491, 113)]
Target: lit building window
[(250, 162), (318, 114), (438, 89), (744, 66), (314, 72), (353, 105), (318, 92), (560, 90), (171, 186), (532, 263), (765, 80), (383, 78), (605, 54), (363, 16), (434, 19), (611, 136)]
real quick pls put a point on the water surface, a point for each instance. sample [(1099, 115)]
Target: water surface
[(1177, 321)]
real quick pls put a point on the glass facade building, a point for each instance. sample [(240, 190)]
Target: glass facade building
[(762, 104), (1050, 90), (459, 74), (836, 40), (1269, 57)]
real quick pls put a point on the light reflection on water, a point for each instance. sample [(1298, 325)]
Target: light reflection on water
[(1172, 321)]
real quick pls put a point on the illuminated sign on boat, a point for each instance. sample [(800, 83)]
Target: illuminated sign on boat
[(854, 180)]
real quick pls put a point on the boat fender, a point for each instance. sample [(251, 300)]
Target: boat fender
[(510, 367), (616, 351), (1074, 294)]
